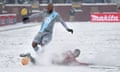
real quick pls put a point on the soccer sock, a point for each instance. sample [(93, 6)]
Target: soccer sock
[(39, 49), (36, 48)]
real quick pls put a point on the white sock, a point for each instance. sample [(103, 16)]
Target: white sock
[(39, 49), (36, 48)]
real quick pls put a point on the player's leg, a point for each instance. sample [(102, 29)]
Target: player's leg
[(34, 45), (37, 41), (46, 39), (32, 59), (38, 48), (40, 41)]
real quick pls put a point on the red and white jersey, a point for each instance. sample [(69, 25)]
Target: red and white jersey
[(68, 58)]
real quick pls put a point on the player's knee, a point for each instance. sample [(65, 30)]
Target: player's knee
[(34, 44)]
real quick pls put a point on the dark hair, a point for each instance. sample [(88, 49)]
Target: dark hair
[(78, 52)]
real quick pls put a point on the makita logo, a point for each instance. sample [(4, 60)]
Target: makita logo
[(105, 17)]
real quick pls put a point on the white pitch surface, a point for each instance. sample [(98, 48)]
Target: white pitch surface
[(99, 44)]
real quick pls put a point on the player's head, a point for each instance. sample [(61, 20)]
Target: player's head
[(50, 8), (76, 52)]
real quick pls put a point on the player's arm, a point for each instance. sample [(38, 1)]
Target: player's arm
[(76, 62), (33, 16), (64, 24)]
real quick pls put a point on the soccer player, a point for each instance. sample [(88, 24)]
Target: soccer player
[(67, 58), (44, 36)]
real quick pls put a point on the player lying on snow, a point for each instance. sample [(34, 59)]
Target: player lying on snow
[(44, 36), (67, 58)]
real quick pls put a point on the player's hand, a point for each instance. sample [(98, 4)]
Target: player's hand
[(70, 30), (25, 19)]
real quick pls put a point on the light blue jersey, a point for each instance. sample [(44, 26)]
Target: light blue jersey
[(49, 20)]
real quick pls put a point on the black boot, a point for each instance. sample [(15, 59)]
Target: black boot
[(29, 56)]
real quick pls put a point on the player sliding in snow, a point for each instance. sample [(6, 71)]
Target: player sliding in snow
[(68, 58), (44, 36)]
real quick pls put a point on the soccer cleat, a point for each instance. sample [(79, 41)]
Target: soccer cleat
[(29, 56), (24, 55)]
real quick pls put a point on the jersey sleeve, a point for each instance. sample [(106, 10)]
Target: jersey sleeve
[(41, 13), (62, 21)]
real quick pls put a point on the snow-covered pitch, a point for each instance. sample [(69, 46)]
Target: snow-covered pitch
[(99, 44)]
